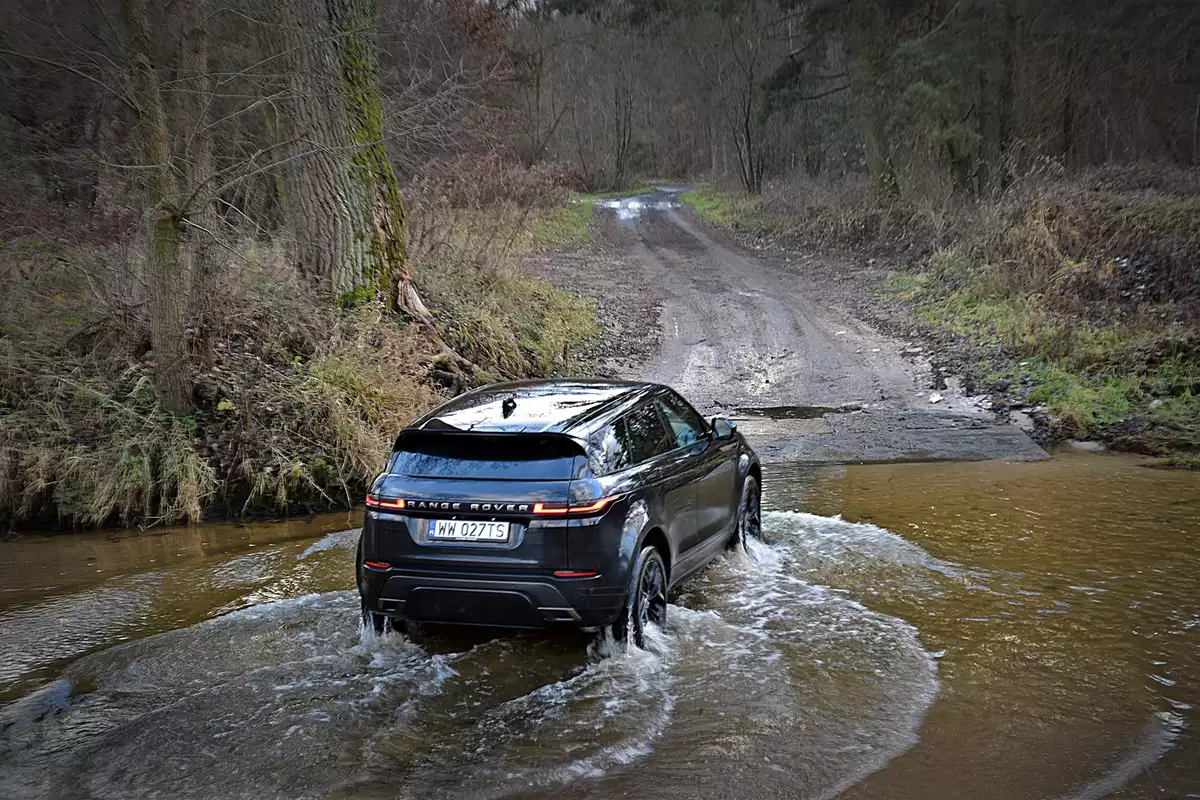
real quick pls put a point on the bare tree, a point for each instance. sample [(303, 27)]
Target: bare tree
[(170, 263)]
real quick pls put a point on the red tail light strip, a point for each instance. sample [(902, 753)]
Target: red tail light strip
[(538, 508), (377, 564), (397, 505), (566, 573), (599, 505)]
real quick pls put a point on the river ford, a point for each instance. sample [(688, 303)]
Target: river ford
[(990, 630)]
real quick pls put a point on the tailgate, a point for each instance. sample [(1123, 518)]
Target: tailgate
[(466, 476)]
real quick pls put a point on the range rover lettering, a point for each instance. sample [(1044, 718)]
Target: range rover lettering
[(545, 503)]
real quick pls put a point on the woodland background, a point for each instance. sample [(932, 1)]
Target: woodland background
[(241, 244)]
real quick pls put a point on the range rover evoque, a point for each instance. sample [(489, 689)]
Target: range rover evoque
[(545, 503)]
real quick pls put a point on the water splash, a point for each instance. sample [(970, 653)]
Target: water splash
[(755, 663)]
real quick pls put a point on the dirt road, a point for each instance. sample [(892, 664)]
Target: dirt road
[(760, 341)]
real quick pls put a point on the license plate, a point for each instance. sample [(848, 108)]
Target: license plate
[(465, 530)]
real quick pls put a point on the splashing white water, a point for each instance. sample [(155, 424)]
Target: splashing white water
[(755, 663)]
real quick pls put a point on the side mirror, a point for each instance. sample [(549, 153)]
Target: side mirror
[(723, 428)]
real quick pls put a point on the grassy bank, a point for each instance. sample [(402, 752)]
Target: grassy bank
[(1080, 296), (297, 401)]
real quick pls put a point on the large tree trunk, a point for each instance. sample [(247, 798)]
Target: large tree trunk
[(319, 200), (168, 268), (340, 192), (385, 266)]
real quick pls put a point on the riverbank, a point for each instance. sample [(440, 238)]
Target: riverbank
[(297, 401), (1075, 305)]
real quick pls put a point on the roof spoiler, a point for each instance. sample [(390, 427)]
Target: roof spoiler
[(411, 435)]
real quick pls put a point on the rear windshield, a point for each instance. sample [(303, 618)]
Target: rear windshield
[(520, 457)]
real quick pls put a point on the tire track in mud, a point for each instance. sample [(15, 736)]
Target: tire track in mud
[(738, 332)]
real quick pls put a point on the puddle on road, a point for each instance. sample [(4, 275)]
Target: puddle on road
[(793, 412), (627, 208), (971, 630)]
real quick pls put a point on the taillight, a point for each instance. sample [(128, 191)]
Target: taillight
[(555, 509), (391, 505)]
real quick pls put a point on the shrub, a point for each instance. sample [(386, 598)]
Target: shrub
[(298, 401)]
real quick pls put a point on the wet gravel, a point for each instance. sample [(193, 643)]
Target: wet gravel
[(849, 282), (736, 325), (627, 307)]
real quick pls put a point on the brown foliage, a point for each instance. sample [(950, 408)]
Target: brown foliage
[(495, 179)]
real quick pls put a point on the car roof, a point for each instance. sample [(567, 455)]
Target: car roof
[(548, 406)]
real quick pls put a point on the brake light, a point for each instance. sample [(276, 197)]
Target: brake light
[(568, 573), (374, 502), (560, 510), (377, 564)]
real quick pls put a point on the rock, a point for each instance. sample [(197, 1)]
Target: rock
[(1087, 447), (1022, 420), (935, 398)]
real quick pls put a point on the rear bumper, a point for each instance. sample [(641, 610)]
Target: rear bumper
[(509, 601)]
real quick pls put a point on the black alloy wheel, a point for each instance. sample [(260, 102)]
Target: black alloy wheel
[(646, 600), (749, 522)]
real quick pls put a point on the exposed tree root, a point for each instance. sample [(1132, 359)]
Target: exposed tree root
[(447, 367)]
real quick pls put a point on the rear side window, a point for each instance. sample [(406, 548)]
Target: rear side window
[(643, 434), (511, 457), (630, 440), (606, 450), (685, 424)]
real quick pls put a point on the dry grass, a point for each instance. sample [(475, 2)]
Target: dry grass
[(298, 401), (467, 262)]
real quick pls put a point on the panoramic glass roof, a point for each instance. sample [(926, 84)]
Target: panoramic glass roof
[(524, 407)]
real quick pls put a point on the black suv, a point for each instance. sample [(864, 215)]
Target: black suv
[(546, 503)]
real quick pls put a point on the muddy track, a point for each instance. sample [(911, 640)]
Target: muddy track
[(759, 341)]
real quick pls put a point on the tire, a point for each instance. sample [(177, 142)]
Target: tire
[(371, 621), (749, 521), (645, 599)]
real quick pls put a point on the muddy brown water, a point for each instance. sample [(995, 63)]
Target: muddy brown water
[(985, 630)]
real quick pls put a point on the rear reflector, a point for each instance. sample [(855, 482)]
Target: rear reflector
[(566, 573), (374, 502), (378, 564), (552, 508)]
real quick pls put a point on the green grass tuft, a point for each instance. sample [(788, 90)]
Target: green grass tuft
[(1176, 462), (719, 207), (904, 285), (562, 228)]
